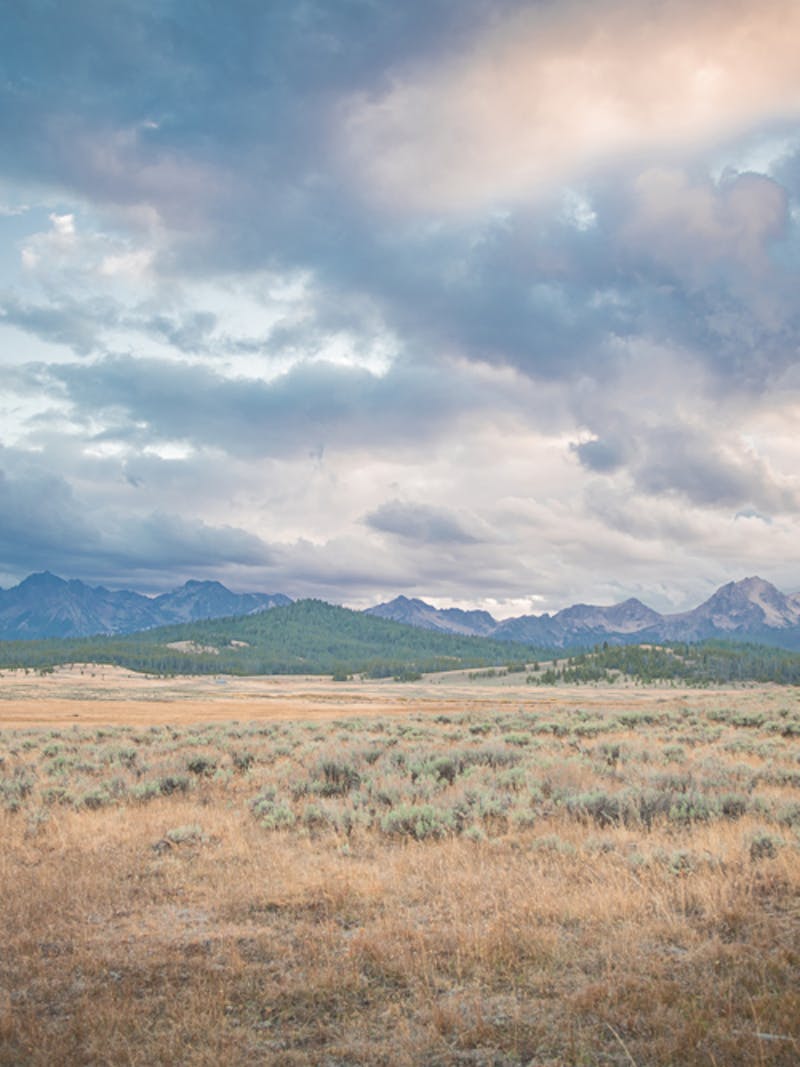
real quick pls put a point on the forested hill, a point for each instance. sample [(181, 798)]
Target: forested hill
[(705, 663), (307, 637)]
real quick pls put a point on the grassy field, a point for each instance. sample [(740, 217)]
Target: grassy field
[(455, 871)]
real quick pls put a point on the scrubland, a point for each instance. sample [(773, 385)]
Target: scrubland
[(582, 880)]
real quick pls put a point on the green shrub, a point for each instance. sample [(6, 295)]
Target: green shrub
[(242, 760), (789, 814), (764, 845), (692, 807), (419, 821), (554, 844), (144, 791), (201, 765), (733, 805), (475, 833), (339, 777), (523, 818), (173, 783), (606, 809), (517, 738), (275, 816), (191, 834), (93, 799), (272, 814), (15, 789)]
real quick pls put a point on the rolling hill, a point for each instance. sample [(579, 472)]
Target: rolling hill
[(306, 637)]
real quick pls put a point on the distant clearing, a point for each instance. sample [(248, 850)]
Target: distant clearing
[(105, 695)]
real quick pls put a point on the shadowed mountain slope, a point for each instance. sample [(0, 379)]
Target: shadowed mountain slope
[(44, 605), (748, 610)]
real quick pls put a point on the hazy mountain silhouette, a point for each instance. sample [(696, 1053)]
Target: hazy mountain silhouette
[(44, 605)]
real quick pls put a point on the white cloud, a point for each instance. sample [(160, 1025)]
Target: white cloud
[(9, 211), (134, 264), (63, 227)]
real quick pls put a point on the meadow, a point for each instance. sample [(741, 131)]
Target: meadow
[(460, 871)]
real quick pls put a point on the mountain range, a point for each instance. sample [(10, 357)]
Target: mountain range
[(46, 606), (748, 610)]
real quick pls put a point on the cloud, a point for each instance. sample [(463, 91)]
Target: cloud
[(184, 113), (189, 333), (422, 523), (557, 89), (601, 456), (67, 322), (706, 470), (692, 226), (39, 515), (71, 255), (312, 406), (45, 523), (471, 300)]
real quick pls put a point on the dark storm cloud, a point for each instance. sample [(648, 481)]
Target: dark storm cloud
[(533, 290), (46, 524), (241, 162), (421, 523), (600, 456), (39, 514), (679, 460), (67, 322), (218, 83), (223, 120), (309, 407), (684, 461)]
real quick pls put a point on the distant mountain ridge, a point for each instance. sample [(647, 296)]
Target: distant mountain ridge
[(427, 617), (748, 610), (44, 605)]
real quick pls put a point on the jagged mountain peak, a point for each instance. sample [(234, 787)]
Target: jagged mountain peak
[(748, 603), (43, 580), (747, 588), (629, 616), (749, 608), (416, 612), (44, 605)]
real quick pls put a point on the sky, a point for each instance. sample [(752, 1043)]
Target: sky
[(489, 302)]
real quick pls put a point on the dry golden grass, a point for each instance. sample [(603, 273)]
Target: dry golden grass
[(143, 928), (88, 694)]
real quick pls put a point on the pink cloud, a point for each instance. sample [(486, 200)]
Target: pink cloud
[(549, 92)]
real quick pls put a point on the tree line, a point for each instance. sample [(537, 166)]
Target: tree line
[(307, 637), (706, 663)]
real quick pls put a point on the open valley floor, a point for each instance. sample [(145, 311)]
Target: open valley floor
[(463, 870)]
